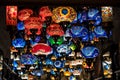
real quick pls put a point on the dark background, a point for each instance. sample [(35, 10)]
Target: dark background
[(61, 2)]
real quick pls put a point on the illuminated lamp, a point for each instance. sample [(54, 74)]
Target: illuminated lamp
[(76, 73), (90, 52), (18, 43), (58, 64), (24, 14), (36, 40), (85, 65), (20, 26), (81, 17), (64, 49), (53, 58), (100, 32), (80, 32), (41, 49), (52, 78), (106, 66), (94, 14), (52, 72), (33, 23), (11, 15), (67, 36), (28, 59), (55, 40), (73, 47), (44, 12), (67, 73), (55, 29), (61, 14), (107, 13), (72, 78), (48, 62), (15, 65), (37, 72)]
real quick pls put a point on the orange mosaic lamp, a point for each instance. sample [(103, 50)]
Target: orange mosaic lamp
[(33, 23), (44, 12), (24, 14), (55, 29), (11, 15)]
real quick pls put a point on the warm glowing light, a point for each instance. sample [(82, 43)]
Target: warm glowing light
[(106, 13), (11, 15)]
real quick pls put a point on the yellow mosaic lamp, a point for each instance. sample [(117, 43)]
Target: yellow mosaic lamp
[(61, 14), (48, 70), (44, 69), (67, 73), (54, 69), (52, 78), (53, 58), (107, 13), (105, 72)]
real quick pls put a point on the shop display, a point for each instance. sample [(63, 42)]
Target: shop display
[(58, 42)]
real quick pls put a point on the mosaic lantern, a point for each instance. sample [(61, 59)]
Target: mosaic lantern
[(107, 13), (11, 15), (63, 14), (24, 14), (37, 73), (28, 59), (55, 29), (64, 49), (44, 12), (48, 62), (55, 40), (100, 32), (33, 23), (81, 17), (19, 43), (90, 52), (41, 49), (94, 14), (20, 26), (59, 64), (78, 31)]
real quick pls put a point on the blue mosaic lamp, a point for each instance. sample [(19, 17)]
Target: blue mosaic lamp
[(18, 43), (100, 32), (94, 14), (59, 64), (63, 49), (20, 26), (28, 59), (37, 73), (90, 52), (78, 31)]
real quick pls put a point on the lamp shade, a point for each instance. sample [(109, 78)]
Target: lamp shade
[(28, 59), (90, 52), (18, 43), (63, 14), (55, 29), (24, 14), (41, 49)]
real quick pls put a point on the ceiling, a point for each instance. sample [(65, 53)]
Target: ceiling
[(62, 2)]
